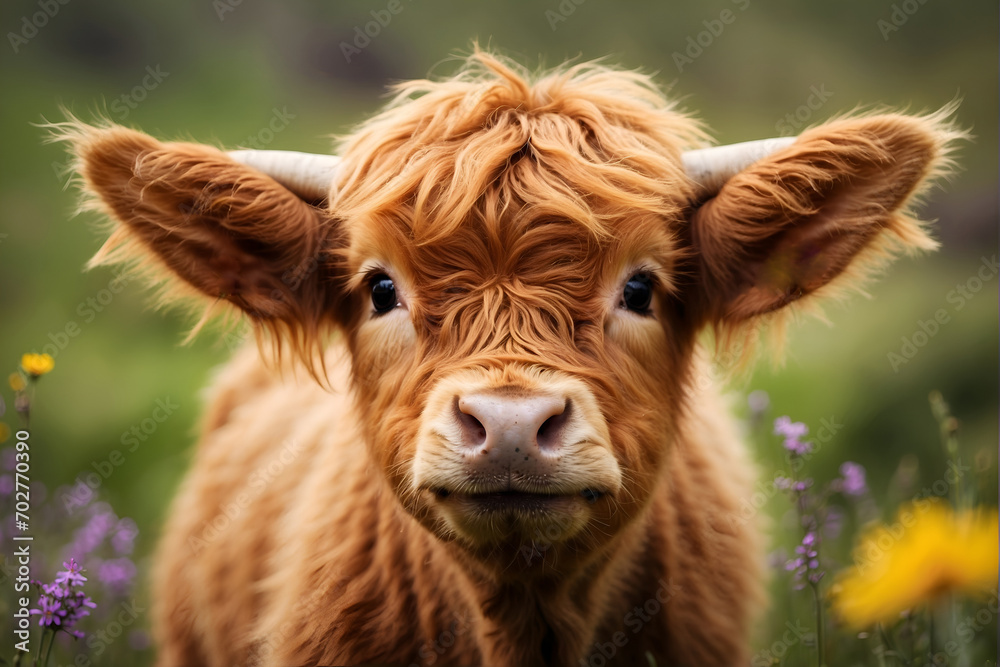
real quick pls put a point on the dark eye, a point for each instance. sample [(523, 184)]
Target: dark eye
[(383, 293), (638, 293)]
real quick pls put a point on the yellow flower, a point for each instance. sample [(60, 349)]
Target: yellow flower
[(37, 364), (929, 551), (16, 381)]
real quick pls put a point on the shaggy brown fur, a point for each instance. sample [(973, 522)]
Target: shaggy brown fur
[(509, 210)]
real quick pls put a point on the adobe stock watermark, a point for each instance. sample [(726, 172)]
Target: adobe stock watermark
[(280, 120), (256, 483), (292, 278), (364, 34), (31, 25), (921, 502), (542, 542), (724, 361), (561, 13), (431, 652), (603, 652), (125, 103), (262, 649), (958, 298), (966, 630), (773, 654), (697, 44), (898, 17), (764, 491), (87, 484), (796, 120), (100, 640), (88, 310), (223, 7), (63, 171)]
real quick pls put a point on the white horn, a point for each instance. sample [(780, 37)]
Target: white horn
[(712, 167), (306, 174)]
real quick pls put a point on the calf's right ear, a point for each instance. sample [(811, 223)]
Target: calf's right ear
[(225, 230)]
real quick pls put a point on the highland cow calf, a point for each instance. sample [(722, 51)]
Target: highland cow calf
[(492, 438)]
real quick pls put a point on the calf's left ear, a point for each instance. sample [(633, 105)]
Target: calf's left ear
[(830, 205)]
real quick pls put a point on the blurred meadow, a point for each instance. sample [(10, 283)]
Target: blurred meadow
[(287, 75)]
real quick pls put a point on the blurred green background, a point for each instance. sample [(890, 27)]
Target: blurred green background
[(226, 68)]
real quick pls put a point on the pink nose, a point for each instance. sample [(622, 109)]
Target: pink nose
[(513, 431)]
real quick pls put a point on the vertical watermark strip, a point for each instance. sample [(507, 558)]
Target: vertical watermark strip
[(22, 554)]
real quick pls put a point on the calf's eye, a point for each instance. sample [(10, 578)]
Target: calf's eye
[(383, 293), (638, 293)]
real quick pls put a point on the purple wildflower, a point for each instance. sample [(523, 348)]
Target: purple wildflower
[(786, 427), (71, 576), (8, 457), (797, 447), (853, 482), (806, 563), (55, 590), (117, 574), (758, 401), (78, 495), (792, 432), (88, 538), (777, 558), (833, 522), (6, 484), (77, 606), (123, 541), (50, 612), (60, 605)]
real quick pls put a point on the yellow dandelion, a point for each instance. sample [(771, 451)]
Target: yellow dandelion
[(929, 551), (36, 365), (16, 381)]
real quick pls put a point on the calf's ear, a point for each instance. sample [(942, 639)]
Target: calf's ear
[(209, 226), (828, 208)]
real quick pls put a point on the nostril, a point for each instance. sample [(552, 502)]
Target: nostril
[(504, 426), (473, 431), (550, 433)]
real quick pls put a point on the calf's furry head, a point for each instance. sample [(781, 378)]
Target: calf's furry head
[(509, 212)]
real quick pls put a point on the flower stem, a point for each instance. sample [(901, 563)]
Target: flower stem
[(48, 650), (819, 625), (930, 629), (892, 650), (948, 426), (41, 642)]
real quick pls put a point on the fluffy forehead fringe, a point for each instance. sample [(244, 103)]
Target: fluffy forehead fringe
[(597, 144)]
